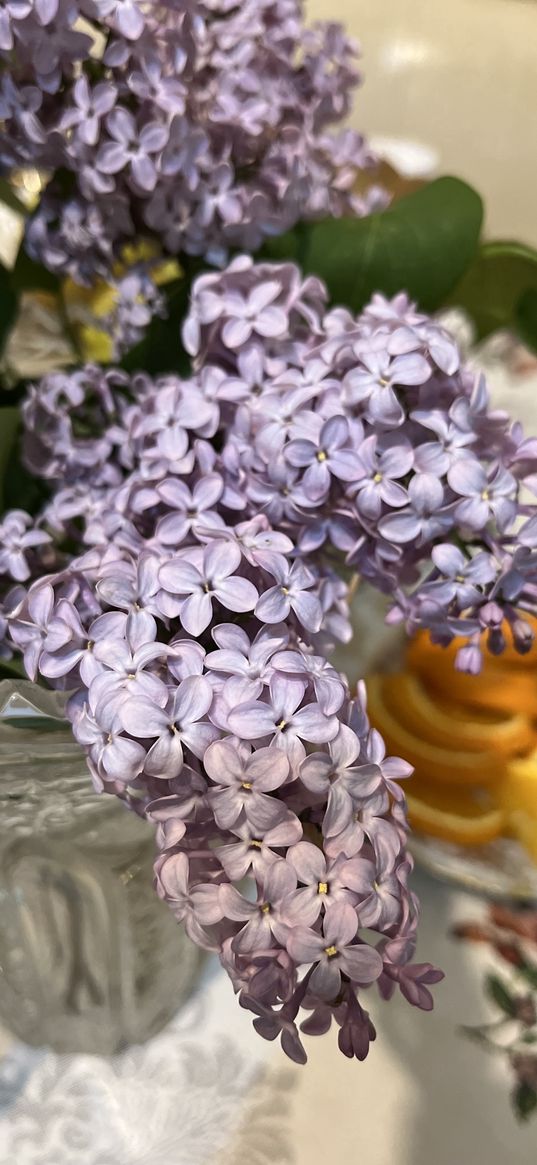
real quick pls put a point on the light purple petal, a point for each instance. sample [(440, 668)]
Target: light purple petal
[(173, 876), (165, 757), (274, 606), (180, 577), (304, 945), (467, 477), (326, 978), (401, 527), (142, 717), (252, 721), (196, 613), (271, 322), (192, 699), (362, 963), (308, 861), (237, 594), (311, 724)]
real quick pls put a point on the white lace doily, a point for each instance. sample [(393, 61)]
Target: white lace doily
[(179, 1100)]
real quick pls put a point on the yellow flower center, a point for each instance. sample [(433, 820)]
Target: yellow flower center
[(322, 888), (321, 456), (330, 952), (247, 785)]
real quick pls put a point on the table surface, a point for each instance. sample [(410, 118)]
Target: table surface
[(208, 1091)]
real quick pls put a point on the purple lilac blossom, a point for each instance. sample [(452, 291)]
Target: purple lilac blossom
[(207, 126), (191, 616)]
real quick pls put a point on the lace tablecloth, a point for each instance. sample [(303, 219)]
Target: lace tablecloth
[(208, 1091)]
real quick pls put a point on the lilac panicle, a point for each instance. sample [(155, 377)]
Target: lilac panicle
[(181, 586), (204, 126)]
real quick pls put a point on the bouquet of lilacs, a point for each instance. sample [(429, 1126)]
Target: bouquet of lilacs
[(202, 126), (184, 585)]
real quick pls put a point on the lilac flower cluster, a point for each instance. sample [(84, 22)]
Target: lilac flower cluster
[(191, 626), (367, 437), (204, 123), (189, 633)]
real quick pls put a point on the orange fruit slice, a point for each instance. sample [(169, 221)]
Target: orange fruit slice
[(518, 789), (452, 725), (437, 763), (463, 816), (498, 687), (509, 658)]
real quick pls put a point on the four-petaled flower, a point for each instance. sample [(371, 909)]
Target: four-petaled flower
[(266, 917), (180, 723), (243, 785), (486, 495), (283, 720), (132, 146), (293, 592), (384, 469), (189, 591), (324, 883), (462, 577), (327, 453), (255, 313), (335, 952)]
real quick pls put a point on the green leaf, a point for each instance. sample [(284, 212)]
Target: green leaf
[(8, 306), (9, 430), (528, 971), (478, 1036), (27, 275), (526, 318), (494, 289), (525, 1100), (21, 490), (161, 349), (421, 244), (497, 991), (10, 199)]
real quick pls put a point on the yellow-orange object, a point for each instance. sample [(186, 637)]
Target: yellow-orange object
[(435, 763), (505, 687), (451, 725), (518, 789), (472, 741), (464, 816)]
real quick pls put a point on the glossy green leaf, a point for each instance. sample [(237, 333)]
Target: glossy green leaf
[(9, 430), (497, 991), (161, 349), (421, 244), (8, 306), (496, 285), (27, 275), (525, 1101), (10, 199), (528, 971), (526, 318)]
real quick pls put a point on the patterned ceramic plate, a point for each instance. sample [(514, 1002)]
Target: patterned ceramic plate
[(501, 869)]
